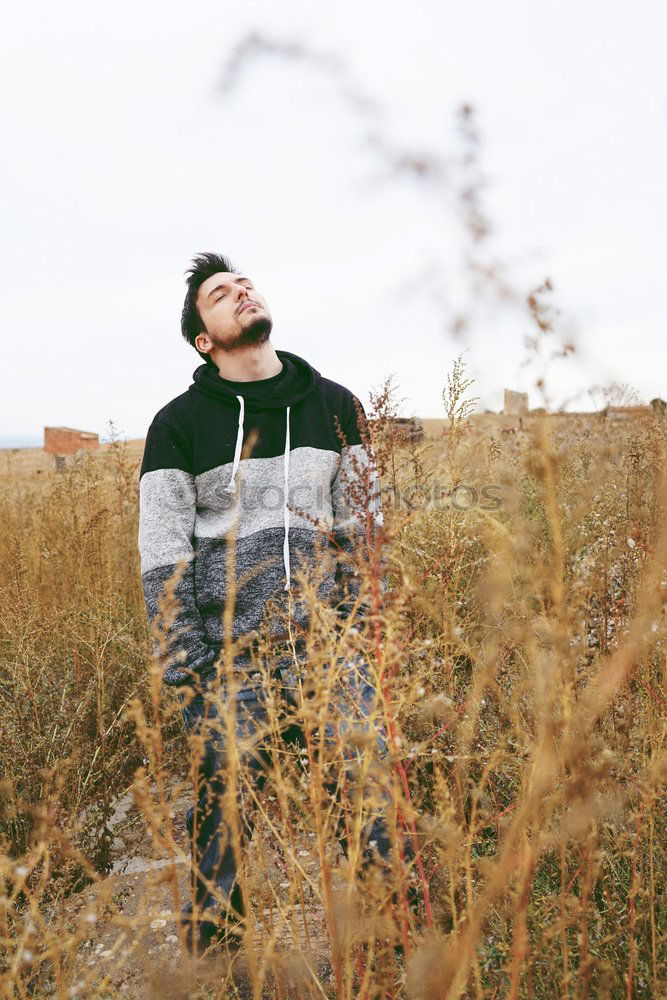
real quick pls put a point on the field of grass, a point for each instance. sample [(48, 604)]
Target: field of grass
[(518, 648)]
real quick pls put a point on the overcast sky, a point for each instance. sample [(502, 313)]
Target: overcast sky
[(124, 156)]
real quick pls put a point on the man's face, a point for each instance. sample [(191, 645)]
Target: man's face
[(233, 313)]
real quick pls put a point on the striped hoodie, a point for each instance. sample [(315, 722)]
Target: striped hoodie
[(296, 501)]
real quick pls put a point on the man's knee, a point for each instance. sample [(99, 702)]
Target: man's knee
[(379, 839)]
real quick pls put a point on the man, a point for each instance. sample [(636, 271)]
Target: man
[(201, 494)]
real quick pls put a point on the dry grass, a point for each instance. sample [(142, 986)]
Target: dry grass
[(519, 650)]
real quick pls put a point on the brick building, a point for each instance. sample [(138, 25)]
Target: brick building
[(68, 441)]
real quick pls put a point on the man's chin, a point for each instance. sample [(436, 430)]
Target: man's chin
[(254, 335)]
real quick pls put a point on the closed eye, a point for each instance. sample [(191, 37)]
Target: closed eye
[(245, 281)]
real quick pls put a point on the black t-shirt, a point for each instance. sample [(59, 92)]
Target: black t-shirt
[(258, 390)]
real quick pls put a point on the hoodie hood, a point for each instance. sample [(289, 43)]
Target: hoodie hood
[(298, 381)]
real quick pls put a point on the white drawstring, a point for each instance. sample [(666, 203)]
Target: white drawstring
[(231, 486), (286, 542)]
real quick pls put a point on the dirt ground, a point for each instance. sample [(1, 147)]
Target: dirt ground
[(129, 942)]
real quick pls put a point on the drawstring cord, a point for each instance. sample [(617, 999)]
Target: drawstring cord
[(285, 508), (231, 486)]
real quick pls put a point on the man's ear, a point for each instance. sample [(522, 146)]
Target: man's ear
[(202, 343)]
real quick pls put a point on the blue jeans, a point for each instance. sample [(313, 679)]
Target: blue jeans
[(352, 703)]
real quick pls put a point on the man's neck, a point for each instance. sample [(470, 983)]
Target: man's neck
[(249, 365)]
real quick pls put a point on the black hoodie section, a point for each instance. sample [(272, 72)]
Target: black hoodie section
[(298, 380)]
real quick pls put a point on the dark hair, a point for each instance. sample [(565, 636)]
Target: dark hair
[(201, 268)]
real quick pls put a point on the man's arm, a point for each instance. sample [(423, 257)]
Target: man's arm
[(167, 505), (356, 498)]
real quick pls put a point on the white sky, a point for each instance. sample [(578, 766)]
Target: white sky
[(123, 158)]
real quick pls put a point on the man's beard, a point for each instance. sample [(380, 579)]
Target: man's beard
[(253, 335)]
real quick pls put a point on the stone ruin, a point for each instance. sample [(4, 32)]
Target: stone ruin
[(516, 403)]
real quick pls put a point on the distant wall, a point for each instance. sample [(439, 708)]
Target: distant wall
[(67, 440), (627, 412)]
